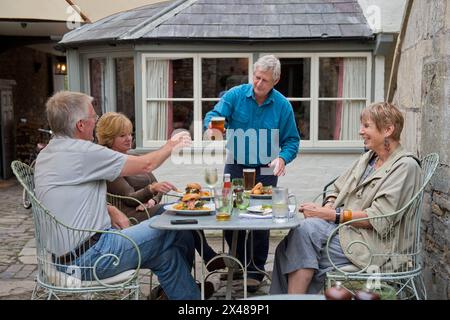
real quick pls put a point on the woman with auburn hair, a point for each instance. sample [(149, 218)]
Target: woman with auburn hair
[(381, 181), (114, 130)]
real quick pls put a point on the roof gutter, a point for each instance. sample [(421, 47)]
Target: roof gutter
[(162, 16)]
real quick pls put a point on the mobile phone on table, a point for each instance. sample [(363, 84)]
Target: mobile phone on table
[(184, 221)]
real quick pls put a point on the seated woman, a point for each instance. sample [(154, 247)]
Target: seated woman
[(381, 181), (114, 130)]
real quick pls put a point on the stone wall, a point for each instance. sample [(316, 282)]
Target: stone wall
[(423, 94)]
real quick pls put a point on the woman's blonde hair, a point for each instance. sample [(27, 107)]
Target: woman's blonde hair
[(110, 126), (384, 114)]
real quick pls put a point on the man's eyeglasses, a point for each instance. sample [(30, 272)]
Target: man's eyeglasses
[(94, 116)]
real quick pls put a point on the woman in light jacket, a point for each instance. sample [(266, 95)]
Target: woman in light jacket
[(381, 181)]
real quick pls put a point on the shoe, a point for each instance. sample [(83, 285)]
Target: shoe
[(158, 293), (253, 285), (216, 264), (209, 289)]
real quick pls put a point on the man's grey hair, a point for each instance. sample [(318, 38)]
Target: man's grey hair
[(269, 62), (64, 109)]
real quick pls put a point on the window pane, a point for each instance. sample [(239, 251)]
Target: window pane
[(170, 78), (97, 67), (302, 118), (125, 87), (295, 77), (342, 77), (339, 120), (165, 117), (221, 74)]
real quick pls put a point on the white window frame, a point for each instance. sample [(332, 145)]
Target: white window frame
[(197, 94), (110, 75), (314, 141)]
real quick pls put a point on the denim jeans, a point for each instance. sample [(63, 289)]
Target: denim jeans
[(260, 237), (169, 254)]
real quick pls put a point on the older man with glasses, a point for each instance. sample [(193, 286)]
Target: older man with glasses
[(70, 179)]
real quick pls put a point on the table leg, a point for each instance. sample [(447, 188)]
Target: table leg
[(231, 270), (202, 271)]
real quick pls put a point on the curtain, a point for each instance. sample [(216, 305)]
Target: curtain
[(354, 85), (158, 82)]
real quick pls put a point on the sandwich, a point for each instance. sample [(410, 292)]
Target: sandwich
[(190, 201), (193, 188)]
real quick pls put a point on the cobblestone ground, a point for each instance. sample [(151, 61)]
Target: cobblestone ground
[(16, 230), (17, 251)]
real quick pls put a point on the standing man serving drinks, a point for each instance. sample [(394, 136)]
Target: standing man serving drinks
[(261, 134)]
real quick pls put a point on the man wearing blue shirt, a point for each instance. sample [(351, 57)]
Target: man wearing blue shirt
[(261, 134)]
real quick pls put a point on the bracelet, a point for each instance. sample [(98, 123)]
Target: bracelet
[(338, 216), (347, 215)]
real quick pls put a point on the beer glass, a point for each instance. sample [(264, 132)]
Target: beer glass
[(280, 204), (218, 123), (249, 178), (223, 200)]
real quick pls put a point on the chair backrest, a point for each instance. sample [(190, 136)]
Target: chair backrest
[(55, 268), (395, 246), (122, 202)]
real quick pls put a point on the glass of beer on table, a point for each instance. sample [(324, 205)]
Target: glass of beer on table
[(223, 200), (249, 175)]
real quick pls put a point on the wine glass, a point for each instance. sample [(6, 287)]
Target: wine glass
[(211, 179)]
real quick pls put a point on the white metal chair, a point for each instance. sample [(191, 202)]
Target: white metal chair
[(399, 264), (120, 202), (57, 277)]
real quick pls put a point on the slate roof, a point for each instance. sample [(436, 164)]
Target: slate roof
[(230, 19)]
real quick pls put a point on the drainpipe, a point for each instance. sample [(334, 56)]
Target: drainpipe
[(392, 87)]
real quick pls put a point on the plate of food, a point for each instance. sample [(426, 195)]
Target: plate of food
[(261, 209), (261, 192), (191, 204)]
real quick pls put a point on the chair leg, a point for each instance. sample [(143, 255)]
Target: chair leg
[(421, 289)]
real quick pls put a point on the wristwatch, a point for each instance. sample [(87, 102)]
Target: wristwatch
[(338, 216)]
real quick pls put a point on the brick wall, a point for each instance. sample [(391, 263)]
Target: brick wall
[(32, 72), (423, 94)]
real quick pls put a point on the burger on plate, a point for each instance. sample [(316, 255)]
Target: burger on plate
[(193, 188), (191, 201)]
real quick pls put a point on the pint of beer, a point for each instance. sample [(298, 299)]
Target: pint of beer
[(218, 123), (249, 178)]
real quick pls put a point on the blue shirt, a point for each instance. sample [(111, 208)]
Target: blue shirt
[(257, 134)]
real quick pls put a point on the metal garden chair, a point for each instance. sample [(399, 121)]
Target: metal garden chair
[(57, 277), (395, 267), (120, 202)]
